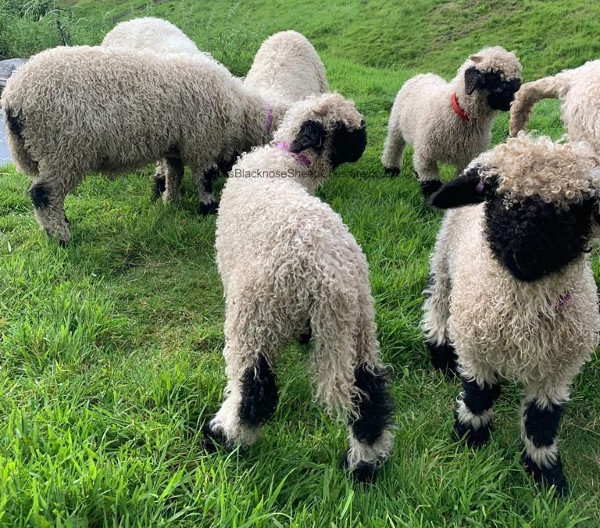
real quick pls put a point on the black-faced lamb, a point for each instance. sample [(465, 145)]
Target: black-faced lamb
[(285, 259), (511, 289), (450, 122)]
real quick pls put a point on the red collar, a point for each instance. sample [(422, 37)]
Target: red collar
[(458, 110)]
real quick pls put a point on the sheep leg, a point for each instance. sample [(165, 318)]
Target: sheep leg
[(204, 184), (473, 413), (251, 401), (539, 430), (370, 438), (173, 174), (48, 198), (435, 318), (160, 179), (393, 150), (428, 174)]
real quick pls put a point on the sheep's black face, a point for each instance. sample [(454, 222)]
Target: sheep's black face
[(499, 93), (347, 146), (532, 238)]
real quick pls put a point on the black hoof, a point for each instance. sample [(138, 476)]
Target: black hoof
[(213, 440), (551, 476), (392, 171), (444, 358), (428, 187), (473, 438), (208, 208), (160, 186), (363, 472)]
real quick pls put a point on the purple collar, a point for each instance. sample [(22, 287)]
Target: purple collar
[(302, 159), (561, 302), (269, 121)]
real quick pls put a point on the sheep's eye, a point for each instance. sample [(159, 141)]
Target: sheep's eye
[(492, 81)]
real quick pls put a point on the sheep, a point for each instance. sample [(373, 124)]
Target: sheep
[(285, 259), (74, 111), (450, 122), (287, 69), (160, 36), (511, 292), (579, 92)]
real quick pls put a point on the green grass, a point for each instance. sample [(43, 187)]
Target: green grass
[(110, 351)]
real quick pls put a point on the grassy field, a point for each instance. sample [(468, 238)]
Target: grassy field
[(110, 350)]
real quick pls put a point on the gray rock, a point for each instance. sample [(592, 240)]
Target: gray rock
[(7, 67)]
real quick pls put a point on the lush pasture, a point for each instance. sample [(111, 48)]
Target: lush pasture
[(110, 350)]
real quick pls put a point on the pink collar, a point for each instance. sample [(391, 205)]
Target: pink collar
[(269, 121), (301, 158), (458, 110)]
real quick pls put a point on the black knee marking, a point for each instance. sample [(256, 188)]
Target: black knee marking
[(209, 177), (226, 165), (444, 358), (259, 394), (541, 425), (208, 208), (547, 476), (477, 400), (374, 404), (392, 171), (428, 187), (39, 195), (160, 185)]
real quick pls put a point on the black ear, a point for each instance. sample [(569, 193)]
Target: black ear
[(473, 79), (311, 135), (467, 189)]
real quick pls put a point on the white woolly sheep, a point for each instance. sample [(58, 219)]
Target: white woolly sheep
[(511, 290), (287, 69), (74, 111), (159, 36), (450, 122), (579, 92), (287, 261)]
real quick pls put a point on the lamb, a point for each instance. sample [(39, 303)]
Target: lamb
[(287, 69), (579, 92), (160, 36), (511, 289), (286, 259), (75, 111), (450, 122)]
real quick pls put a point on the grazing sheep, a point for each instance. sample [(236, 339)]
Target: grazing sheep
[(285, 259), (154, 34), (74, 111), (579, 92), (450, 122), (511, 288), (286, 69), (160, 36)]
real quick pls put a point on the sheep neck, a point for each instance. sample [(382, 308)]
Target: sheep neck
[(458, 110)]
